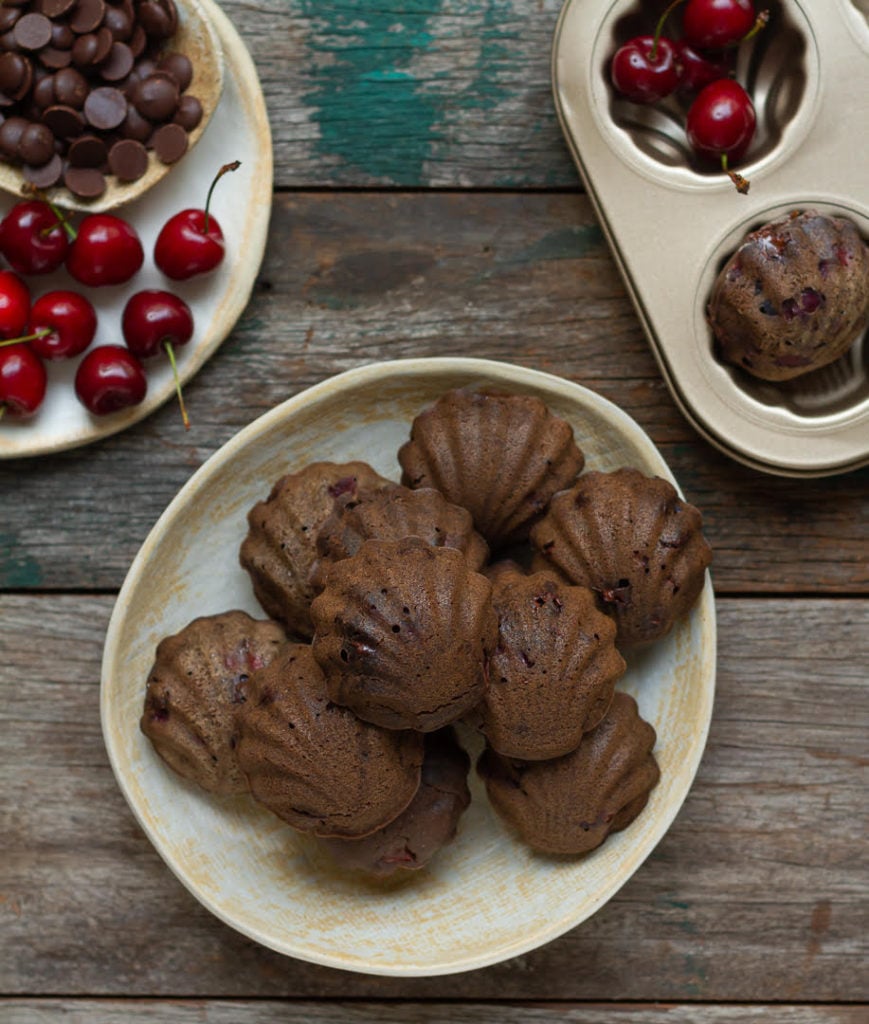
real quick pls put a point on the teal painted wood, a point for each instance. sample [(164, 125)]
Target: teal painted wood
[(411, 93)]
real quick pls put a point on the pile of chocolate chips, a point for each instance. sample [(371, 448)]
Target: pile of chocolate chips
[(86, 89)]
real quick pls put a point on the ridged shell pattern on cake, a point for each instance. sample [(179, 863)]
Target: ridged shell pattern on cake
[(793, 297), (316, 765), (571, 804), (427, 825), (195, 690), (280, 549), (632, 540), (554, 670), (500, 456), (403, 632), (393, 513)]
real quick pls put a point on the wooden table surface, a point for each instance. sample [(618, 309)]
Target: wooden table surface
[(425, 204)]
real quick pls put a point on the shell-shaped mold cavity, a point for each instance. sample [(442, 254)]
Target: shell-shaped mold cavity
[(793, 297), (571, 804), (316, 765), (500, 456), (195, 690), (280, 549), (554, 670), (632, 540), (427, 825), (393, 513), (403, 632)]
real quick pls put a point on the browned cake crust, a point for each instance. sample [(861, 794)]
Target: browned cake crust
[(793, 297), (393, 513), (632, 540), (195, 689), (571, 804), (554, 670), (280, 550), (427, 825), (500, 456), (403, 632), (316, 765)]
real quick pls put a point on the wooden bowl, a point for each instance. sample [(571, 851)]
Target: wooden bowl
[(196, 37), (484, 898)]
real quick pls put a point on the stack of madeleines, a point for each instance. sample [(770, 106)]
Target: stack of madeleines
[(493, 587)]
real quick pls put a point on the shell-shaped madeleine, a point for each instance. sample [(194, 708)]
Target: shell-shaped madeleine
[(393, 513), (554, 670), (403, 632), (501, 457), (280, 549), (793, 297), (427, 825), (316, 765), (571, 804), (195, 690), (632, 540)]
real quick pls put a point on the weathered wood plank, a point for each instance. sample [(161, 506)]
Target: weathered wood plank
[(73, 1011), (422, 93), (355, 278), (757, 893)]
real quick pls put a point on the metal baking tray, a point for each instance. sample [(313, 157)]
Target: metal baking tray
[(673, 222)]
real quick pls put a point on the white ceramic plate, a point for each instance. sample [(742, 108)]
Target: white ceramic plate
[(486, 897), (238, 129)]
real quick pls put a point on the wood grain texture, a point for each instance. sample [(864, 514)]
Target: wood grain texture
[(399, 93), (757, 893), (355, 278), (268, 1012)]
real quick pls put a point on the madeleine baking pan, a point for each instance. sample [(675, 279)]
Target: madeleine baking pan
[(672, 222)]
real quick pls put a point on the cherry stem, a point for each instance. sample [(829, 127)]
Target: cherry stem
[(759, 23), (170, 352), (659, 28), (742, 184), (32, 190), (41, 333), (2, 409), (234, 166)]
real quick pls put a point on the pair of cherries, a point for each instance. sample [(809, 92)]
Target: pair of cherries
[(105, 250), (721, 120)]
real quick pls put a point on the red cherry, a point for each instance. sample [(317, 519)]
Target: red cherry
[(156, 321), (712, 24), (32, 238), (110, 378), (64, 324), (22, 381), (106, 251), (645, 69), (191, 242), (14, 304), (721, 124), (697, 70)]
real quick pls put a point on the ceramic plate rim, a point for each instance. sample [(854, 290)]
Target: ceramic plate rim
[(486, 370)]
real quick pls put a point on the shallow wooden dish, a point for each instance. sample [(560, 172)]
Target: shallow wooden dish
[(198, 38), (486, 897)]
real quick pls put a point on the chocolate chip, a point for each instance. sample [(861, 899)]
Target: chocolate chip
[(87, 16), (12, 72), (118, 64), (25, 83), (8, 17), (32, 31), (138, 41), (178, 65), (7, 41), (119, 22), (46, 176), (156, 20), (170, 143), (55, 8), (70, 88), (65, 122), (189, 113), (36, 146), (105, 41), (10, 135), (105, 107), (62, 36), (156, 97), (128, 160), (54, 58), (85, 182), (135, 126), (84, 50), (43, 92), (87, 151)]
